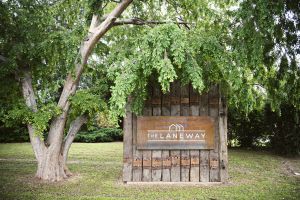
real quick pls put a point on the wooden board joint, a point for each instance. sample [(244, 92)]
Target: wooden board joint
[(185, 162), (167, 163), (156, 163)]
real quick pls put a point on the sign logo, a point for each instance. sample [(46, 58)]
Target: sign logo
[(177, 127), (176, 132)]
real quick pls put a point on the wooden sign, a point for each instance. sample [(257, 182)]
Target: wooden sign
[(175, 132)]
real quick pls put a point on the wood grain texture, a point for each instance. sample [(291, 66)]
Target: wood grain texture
[(147, 154), (156, 173), (223, 141), (204, 166), (214, 154), (185, 154), (137, 170), (127, 146), (175, 111), (166, 111), (204, 154), (195, 154)]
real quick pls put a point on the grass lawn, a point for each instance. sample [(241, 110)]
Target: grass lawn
[(98, 169)]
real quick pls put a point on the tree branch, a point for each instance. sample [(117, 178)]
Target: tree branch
[(95, 33), (73, 130), (137, 21), (28, 94)]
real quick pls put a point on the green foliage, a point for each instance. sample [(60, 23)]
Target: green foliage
[(44, 36), (40, 119), (21, 114), (85, 102), (250, 48), (100, 135), (279, 131), (251, 131), (265, 36), (284, 129), (162, 51)]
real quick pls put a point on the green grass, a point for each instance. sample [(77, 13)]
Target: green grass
[(98, 169)]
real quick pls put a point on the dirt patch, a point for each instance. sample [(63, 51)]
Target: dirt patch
[(33, 181), (291, 168)]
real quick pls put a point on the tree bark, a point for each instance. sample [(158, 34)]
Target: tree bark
[(28, 94), (73, 130), (141, 22), (51, 166), (52, 158)]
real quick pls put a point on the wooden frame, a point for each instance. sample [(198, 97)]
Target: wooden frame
[(178, 165)]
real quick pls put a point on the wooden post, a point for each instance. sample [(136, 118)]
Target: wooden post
[(137, 154), (166, 111), (147, 153), (156, 154), (185, 154), (147, 111), (204, 154), (175, 111), (214, 162), (195, 154), (127, 146), (223, 140)]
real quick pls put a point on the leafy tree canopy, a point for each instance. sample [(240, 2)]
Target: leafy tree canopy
[(250, 48)]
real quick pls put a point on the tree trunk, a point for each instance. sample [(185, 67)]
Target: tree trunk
[(51, 166), (52, 157)]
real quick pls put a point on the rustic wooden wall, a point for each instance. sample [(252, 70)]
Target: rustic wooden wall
[(178, 165)]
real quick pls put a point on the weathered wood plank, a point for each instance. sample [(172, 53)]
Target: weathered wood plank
[(175, 168), (223, 141), (175, 111), (147, 165), (156, 154), (204, 154), (214, 154), (127, 146), (195, 154), (177, 184), (175, 99), (137, 154), (204, 166), (185, 154), (166, 111), (147, 111)]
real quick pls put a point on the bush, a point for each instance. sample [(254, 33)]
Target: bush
[(100, 135), (285, 130), (16, 134), (280, 131)]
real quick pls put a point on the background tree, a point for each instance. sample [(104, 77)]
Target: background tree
[(267, 35)]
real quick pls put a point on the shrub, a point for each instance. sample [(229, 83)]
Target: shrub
[(280, 131), (100, 135), (16, 134)]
